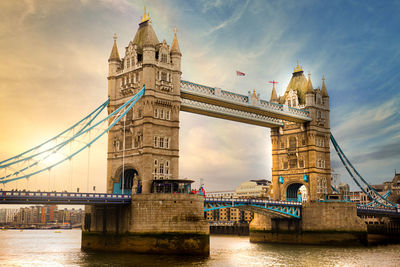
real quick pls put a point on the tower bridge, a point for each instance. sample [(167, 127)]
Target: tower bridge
[(146, 207)]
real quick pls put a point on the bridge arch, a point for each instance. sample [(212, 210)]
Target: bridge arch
[(297, 192), (128, 178)]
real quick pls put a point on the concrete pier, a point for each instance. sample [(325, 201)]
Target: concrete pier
[(153, 223), (333, 223)]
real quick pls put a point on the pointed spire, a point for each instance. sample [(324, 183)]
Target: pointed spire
[(114, 52), (309, 84), (324, 92), (274, 95), (175, 45)]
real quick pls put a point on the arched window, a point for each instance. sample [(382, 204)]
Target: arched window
[(293, 163), (164, 58), (301, 162), (292, 142)]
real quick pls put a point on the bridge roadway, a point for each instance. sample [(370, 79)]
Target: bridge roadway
[(279, 208)]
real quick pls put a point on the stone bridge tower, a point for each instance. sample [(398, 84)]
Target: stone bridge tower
[(143, 150), (300, 152), (148, 148)]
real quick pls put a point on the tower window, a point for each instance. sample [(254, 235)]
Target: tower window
[(161, 114), (301, 163), (161, 142), (155, 113), (164, 58), (155, 141), (293, 163), (167, 143), (292, 142), (163, 76), (161, 168), (167, 115)]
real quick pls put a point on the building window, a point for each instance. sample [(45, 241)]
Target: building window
[(161, 114), (155, 141), (161, 142), (164, 58), (167, 143), (132, 61), (303, 142), (161, 168), (293, 163), (167, 116), (321, 185), (128, 62), (301, 163), (156, 113), (163, 76), (292, 142), (285, 165)]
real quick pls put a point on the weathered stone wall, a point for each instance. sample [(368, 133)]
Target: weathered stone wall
[(335, 216), (153, 223), (321, 223), (162, 213)]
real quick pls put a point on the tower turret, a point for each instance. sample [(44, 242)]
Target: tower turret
[(274, 96), (176, 52), (113, 61), (324, 92)]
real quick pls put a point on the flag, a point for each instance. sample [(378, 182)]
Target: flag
[(239, 73)]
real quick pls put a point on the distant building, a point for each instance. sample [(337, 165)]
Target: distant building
[(253, 189), (221, 194)]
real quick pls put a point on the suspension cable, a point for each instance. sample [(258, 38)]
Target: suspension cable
[(124, 109), (342, 158)]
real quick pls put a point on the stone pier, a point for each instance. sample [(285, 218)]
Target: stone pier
[(334, 223), (153, 223)]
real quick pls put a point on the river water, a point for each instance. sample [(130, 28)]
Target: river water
[(51, 248)]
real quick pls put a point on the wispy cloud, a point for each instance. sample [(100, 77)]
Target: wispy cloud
[(239, 11)]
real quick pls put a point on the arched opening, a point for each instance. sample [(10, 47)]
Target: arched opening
[(127, 180), (296, 192)]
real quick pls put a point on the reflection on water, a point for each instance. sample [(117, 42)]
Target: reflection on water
[(49, 248)]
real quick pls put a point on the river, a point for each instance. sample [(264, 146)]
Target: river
[(62, 248)]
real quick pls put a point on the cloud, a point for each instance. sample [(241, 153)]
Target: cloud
[(239, 11)]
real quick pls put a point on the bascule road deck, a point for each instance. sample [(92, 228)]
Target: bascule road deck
[(218, 103)]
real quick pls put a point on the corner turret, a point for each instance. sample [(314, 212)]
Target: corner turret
[(114, 60), (274, 96), (324, 92), (176, 52)]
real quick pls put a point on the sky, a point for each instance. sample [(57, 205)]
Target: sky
[(54, 68)]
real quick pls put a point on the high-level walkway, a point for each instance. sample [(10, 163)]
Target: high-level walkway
[(218, 103)]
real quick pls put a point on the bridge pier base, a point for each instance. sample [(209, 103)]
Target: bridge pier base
[(321, 223), (153, 223)]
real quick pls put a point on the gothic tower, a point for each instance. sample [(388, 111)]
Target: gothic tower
[(144, 147), (300, 152)]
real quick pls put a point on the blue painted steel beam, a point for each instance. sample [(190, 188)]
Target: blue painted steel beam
[(292, 209)]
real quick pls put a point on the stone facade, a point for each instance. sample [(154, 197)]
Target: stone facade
[(320, 223), (144, 148), (300, 152), (148, 142), (153, 223)]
